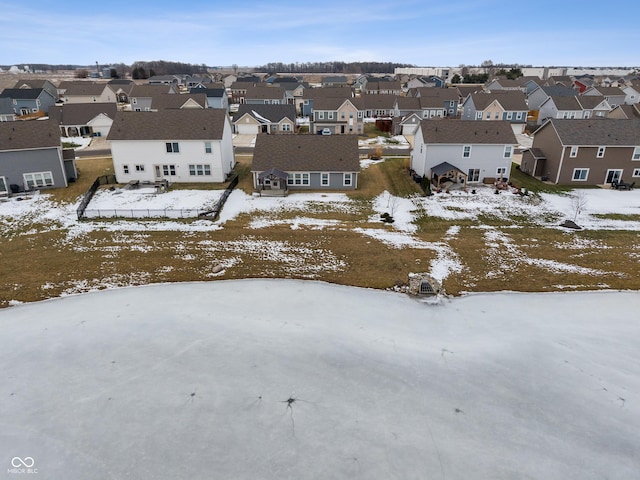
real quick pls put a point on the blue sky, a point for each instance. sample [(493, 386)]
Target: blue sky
[(250, 32)]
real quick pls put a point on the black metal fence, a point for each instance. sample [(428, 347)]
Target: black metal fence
[(103, 180), (85, 213)]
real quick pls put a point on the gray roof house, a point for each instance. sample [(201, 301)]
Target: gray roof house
[(6, 110), (510, 106), (176, 145), (463, 151), (305, 162), (216, 97), (141, 96), (29, 101), (31, 157), (84, 119), (264, 118), (35, 83), (585, 152)]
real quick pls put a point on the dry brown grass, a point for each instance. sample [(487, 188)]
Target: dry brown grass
[(46, 264)]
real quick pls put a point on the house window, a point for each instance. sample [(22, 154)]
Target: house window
[(347, 179), (518, 115), (38, 179), (286, 127), (359, 114), (509, 115), (168, 170), (636, 154), (466, 151), (478, 115), (172, 147), (508, 149), (125, 169), (574, 152), (134, 101), (298, 179), (139, 168), (207, 147), (601, 151), (501, 172), (474, 175), (324, 179), (636, 172), (580, 174), (586, 114), (320, 115), (199, 170)]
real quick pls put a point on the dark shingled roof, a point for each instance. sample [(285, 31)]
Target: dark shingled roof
[(85, 89), (266, 93), (598, 132), (149, 90), (21, 93), (172, 100), (510, 100), (468, 132), (81, 113), (30, 134), (271, 112), (170, 124), (310, 153)]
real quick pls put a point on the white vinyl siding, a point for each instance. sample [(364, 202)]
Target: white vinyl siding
[(199, 169)]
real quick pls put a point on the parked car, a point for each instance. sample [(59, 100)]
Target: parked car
[(326, 131)]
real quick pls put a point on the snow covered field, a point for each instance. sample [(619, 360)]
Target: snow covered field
[(282, 379)]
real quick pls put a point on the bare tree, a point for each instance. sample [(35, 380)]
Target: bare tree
[(578, 202)]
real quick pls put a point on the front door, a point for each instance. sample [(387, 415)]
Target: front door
[(158, 171), (613, 175), (275, 184)]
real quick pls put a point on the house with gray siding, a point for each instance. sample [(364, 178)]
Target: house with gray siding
[(539, 95), (305, 104), (264, 118), (216, 97), (31, 157), (497, 106), (305, 162), (6, 110), (141, 96), (27, 101), (585, 152), (264, 94), (471, 151)]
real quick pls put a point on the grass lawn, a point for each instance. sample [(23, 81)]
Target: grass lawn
[(39, 261)]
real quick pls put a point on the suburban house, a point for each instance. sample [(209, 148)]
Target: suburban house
[(88, 92), (174, 80), (335, 81), (84, 119), (463, 151), (382, 87), (305, 162), (624, 112), (632, 94), (448, 97), (264, 118), (613, 95), (29, 101), (408, 125), (510, 106), (6, 110), (263, 94), (305, 104), (504, 84), (216, 97), (34, 83), (177, 145), (141, 96), (374, 106), (432, 81), (538, 96), (122, 88), (585, 152), (182, 100), (31, 157), (337, 116)]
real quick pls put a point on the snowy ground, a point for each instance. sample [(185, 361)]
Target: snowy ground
[(310, 380), (40, 213)]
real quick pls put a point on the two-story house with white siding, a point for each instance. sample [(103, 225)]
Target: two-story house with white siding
[(464, 151), (177, 145)]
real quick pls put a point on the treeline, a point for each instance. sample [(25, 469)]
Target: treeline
[(161, 67), (331, 67)]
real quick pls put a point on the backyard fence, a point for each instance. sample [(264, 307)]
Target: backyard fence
[(85, 213), (102, 180)]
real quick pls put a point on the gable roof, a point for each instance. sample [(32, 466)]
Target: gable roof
[(169, 124), (210, 92), (29, 134), (266, 93), (467, 132), (273, 113), (510, 100), (379, 101), (333, 153), (170, 100), (328, 92), (23, 93), (85, 89), (143, 91), (559, 91), (81, 113), (596, 132)]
